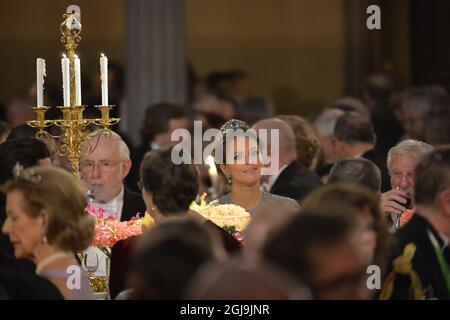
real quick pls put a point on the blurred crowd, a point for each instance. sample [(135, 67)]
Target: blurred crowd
[(357, 208)]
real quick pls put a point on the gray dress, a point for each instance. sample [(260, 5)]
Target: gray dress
[(268, 199), (84, 292)]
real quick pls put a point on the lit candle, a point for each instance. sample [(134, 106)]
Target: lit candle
[(104, 78), (40, 73), (65, 65), (212, 171), (77, 81)]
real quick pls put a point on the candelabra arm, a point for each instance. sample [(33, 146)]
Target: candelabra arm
[(73, 141)]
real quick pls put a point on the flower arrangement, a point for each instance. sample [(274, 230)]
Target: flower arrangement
[(108, 230), (230, 217)]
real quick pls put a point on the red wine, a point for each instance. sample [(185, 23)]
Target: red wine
[(407, 205)]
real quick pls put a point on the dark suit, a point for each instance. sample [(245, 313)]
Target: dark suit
[(132, 205), (295, 182), (424, 262)]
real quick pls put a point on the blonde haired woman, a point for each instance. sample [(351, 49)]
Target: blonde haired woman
[(46, 222)]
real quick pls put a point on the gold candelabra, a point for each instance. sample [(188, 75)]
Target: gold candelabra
[(72, 142)]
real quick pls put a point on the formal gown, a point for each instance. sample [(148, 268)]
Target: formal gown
[(266, 200), (84, 292)]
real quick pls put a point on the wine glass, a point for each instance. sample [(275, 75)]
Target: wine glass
[(407, 205), (90, 262), (90, 195)]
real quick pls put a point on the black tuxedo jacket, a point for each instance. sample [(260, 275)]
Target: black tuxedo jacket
[(424, 262), (296, 182), (132, 205)]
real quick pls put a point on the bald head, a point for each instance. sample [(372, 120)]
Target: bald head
[(286, 141)]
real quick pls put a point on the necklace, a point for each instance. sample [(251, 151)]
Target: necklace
[(45, 262)]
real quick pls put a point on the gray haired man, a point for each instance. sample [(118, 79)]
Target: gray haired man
[(401, 162), (103, 171)]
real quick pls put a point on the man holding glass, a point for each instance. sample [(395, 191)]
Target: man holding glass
[(420, 257), (103, 171), (398, 203)]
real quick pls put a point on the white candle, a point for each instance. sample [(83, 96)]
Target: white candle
[(104, 78), (77, 81), (212, 170), (65, 65), (40, 73)]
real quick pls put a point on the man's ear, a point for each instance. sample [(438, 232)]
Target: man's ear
[(443, 202), (126, 166)]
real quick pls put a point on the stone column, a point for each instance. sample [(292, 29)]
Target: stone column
[(358, 45), (155, 57)]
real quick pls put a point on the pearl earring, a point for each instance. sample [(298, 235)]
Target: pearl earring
[(228, 177)]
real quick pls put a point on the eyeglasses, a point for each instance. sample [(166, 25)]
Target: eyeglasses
[(103, 166), (399, 177)]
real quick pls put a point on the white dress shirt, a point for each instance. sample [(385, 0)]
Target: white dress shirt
[(267, 185), (95, 255), (155, 146), (114, 206), (445, 240)]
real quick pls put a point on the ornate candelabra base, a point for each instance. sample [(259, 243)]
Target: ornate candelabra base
[(72, 142)]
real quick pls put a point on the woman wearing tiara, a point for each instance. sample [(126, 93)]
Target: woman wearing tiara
[(46, 222), (238, 160)]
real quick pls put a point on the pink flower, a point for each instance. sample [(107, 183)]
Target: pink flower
[(99, 213), (239, 236), (108, 230)]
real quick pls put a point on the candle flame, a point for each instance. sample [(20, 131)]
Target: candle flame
[(212, 167), (64, 55), (76, 56), (102, 54)]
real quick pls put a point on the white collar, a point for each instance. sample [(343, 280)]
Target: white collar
[(434, 241), (114, 205), (271, 180), (154, 146), (444, 239)]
